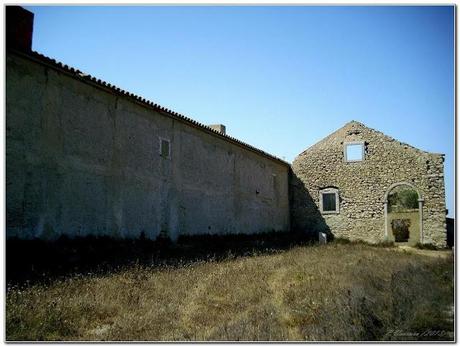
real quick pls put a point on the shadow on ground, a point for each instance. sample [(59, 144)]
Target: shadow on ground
[(32, 261)]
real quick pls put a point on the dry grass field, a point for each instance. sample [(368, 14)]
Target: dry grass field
[(332, 292)]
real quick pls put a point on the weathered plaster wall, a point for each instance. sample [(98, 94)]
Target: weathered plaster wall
[(362, 185), (83, 161)]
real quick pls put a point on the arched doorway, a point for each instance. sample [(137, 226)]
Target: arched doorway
[(403, 214)]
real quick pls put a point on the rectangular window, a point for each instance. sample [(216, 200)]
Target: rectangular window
[(165, 148), (354, 151), (329, 202)]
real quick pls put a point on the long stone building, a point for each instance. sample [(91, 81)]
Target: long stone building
[(84, 157)]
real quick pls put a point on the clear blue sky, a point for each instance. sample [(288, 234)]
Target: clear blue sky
[(279, 78)]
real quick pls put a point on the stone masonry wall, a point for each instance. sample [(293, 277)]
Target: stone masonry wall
[(362, 185)]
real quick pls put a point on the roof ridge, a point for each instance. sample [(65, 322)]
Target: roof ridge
[(381, 133), (76, 73), (394, 139)]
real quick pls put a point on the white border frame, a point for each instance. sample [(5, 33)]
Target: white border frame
[(363, 152)]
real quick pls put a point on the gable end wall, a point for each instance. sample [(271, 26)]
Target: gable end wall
[(362, 185)]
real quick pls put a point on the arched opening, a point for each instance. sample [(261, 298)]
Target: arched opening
[(403, 214)]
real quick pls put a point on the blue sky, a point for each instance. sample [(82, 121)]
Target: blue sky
[(280, 78)]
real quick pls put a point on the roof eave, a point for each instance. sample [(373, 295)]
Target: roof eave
[(86, 78)]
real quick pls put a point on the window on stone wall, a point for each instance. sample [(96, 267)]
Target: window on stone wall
[(165, 148), (329, 200), (354, 151)]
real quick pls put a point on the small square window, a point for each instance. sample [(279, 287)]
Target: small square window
[(165, 148), (354, 151)]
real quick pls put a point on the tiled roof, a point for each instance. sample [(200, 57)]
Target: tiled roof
[(75, 73)]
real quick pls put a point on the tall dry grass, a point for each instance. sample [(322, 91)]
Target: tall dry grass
[(334, 292)]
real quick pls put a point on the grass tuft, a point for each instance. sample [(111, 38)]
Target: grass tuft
[(426, 246)]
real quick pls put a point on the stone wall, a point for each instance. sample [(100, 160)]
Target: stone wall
[(84, 161), (363, 185)]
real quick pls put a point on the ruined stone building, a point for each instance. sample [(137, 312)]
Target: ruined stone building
[(344, 186), (84, 157)]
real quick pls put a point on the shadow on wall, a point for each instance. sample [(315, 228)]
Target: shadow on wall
[(305, 215), (31, 261), (450, 231)]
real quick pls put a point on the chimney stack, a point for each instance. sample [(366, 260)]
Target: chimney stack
[(218, 127), (19, 28)]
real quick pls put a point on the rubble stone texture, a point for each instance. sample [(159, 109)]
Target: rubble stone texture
[(363, 186)]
